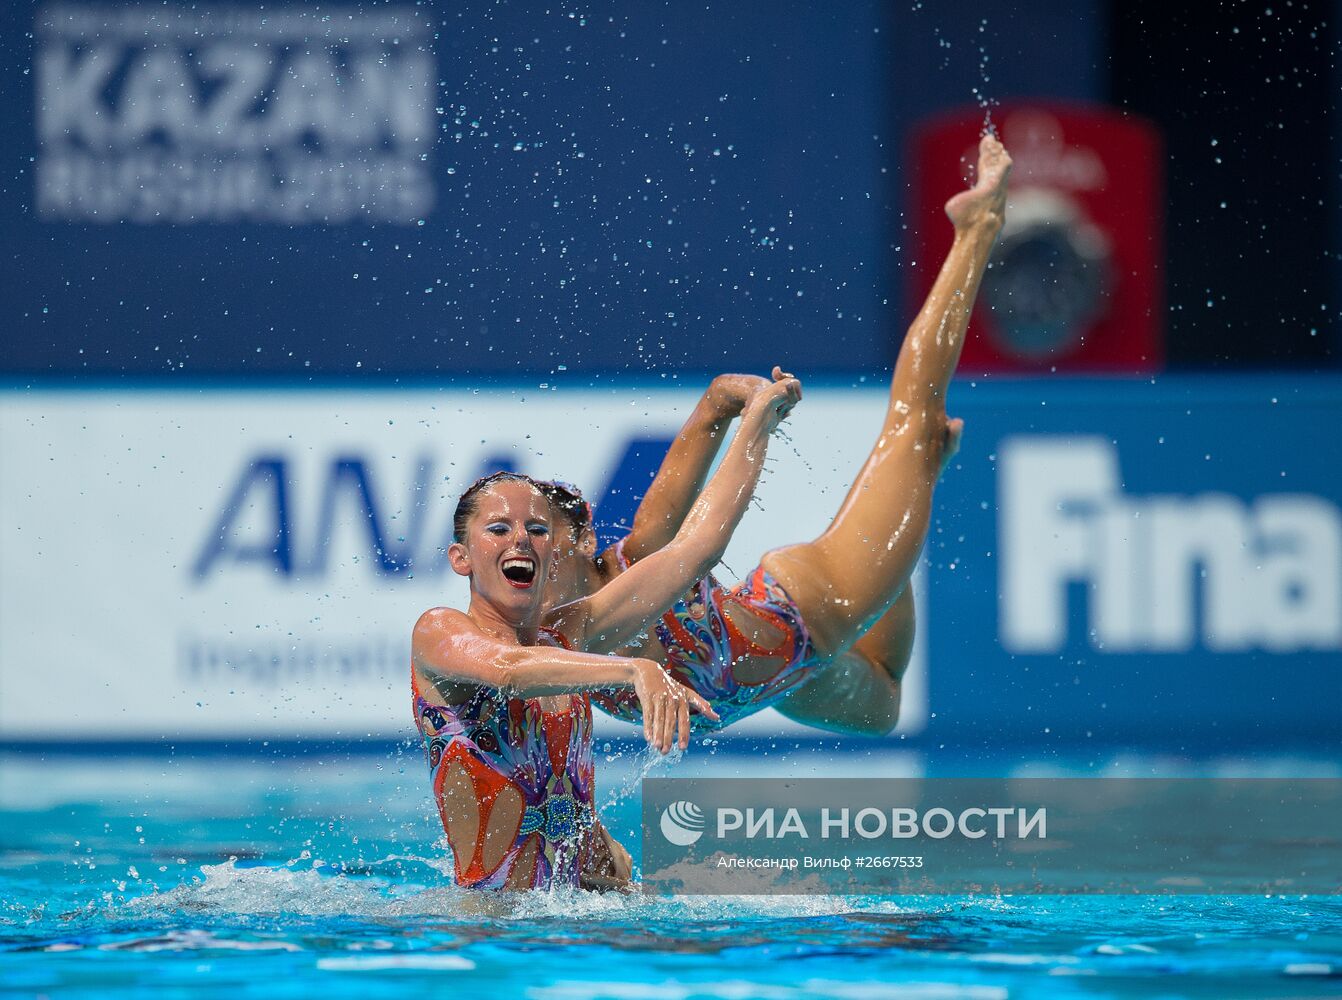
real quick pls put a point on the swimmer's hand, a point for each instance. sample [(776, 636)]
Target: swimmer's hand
[(607, 865), (729, 394), (771, 404), (666, 705)]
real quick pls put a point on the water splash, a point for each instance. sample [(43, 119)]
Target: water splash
[(645, 762), (321, 890), (980, 92)]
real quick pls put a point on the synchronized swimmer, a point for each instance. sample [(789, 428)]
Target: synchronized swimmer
[(821, 630)]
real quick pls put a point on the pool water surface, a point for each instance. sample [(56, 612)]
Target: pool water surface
[(312, 875)]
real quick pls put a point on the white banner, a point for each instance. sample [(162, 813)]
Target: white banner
[(232, 563)]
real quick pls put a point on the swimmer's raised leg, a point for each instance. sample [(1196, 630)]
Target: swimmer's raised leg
[(862, 689), (846, 580)]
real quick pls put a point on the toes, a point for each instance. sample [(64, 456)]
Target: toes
[(994, 161)]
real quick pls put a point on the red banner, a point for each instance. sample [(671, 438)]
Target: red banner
[(1075, 280)]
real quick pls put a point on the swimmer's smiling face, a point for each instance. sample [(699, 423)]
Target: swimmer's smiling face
[(508, 549)]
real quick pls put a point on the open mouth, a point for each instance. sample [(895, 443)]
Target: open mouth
[(520, 571)]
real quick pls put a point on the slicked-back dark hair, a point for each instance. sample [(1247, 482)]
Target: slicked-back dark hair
[(470, 500), (568, 500)]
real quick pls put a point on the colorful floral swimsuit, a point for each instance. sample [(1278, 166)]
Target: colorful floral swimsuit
[(511, 745), (706, 651)]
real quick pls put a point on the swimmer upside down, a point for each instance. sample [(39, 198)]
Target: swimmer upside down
[(822, 630)]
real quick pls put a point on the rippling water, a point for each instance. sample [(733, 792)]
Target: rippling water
[(308, 876)]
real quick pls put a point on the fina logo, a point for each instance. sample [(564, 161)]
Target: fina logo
[(1162, 572), (682, 823)]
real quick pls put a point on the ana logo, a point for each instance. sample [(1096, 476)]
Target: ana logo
[(682, 823)]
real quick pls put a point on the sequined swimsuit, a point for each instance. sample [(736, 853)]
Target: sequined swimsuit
[(706, 651), (515, 753)]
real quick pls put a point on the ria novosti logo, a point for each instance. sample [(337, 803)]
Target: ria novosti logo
[(682, 823)]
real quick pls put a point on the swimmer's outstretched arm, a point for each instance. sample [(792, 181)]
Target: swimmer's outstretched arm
[(685, 469), (629, 604), (447, 645), (448, 649)]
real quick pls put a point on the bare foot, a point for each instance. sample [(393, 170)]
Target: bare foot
[(985, 203)]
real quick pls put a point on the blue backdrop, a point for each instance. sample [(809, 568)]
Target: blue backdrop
[(652, 189), (1176, 577)]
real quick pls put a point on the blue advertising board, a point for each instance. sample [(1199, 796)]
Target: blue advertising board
[(1155, 562), (1152, 563)]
